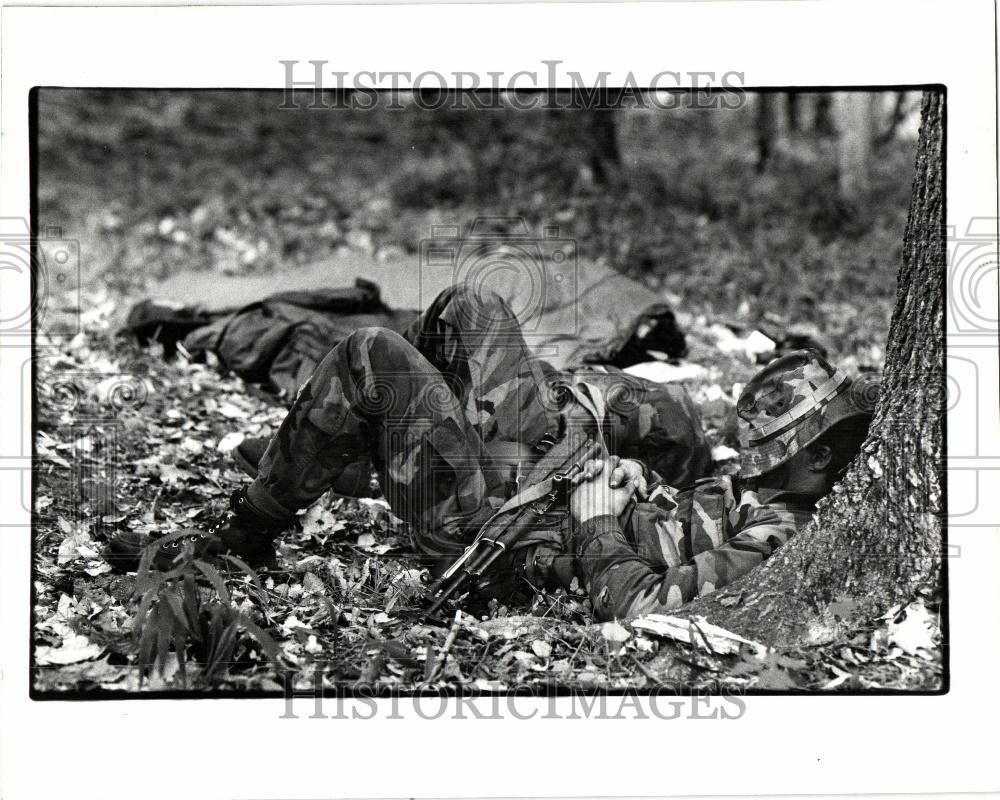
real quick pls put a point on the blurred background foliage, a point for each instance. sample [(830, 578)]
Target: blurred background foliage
[(789, 210), (790, 204)]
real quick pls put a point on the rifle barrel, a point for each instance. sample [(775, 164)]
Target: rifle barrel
[(484, 558)]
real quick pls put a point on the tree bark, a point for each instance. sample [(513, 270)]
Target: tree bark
[(899, 114), (587, 125), (823, 118), (605, 159), (876, 539), (767, 130), (856, 116), (792, 111)]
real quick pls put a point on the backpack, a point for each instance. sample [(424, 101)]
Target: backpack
[(278, 342)]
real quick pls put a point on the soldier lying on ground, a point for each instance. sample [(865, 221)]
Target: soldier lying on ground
[(453, 412)]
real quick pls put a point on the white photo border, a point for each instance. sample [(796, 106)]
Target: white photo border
[(775, 745)]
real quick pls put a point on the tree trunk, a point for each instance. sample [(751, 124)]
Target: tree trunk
[(823, 118), (856, 124), (877, 538), (854, 144), (767, 130), (585, 122), (604, 156), (899, 114), (600, 133), (792, 112)]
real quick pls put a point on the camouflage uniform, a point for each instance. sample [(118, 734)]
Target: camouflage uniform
[(432, 408), (682, 544)]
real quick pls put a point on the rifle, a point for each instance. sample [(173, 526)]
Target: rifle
[(487, 546)]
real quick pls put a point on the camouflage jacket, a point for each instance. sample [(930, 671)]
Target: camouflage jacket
[(682, 544)]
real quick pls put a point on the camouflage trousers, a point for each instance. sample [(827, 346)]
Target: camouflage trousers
[(432, 407), (424, 407)]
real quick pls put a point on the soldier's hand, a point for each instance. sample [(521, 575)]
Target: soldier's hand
[(629, 470), (595, 498)]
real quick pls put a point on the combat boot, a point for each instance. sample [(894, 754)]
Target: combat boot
[(242, 531)]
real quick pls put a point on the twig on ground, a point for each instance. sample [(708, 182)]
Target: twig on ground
[(642, 669), (152, 506), (446, 647)]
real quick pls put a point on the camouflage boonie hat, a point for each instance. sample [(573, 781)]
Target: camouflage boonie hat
[(790, 402)]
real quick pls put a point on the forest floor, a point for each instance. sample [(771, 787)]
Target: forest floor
[(125, 439)]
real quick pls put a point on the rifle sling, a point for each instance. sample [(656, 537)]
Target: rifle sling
[(588, 397)]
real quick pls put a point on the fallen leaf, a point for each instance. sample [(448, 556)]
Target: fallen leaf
[(312, 584), (70, 547), (770, 669), (615, 632), (171, 474), (835, 682), (73, 650), (774, 678), (841, 677), (757, 344), (229, 442), (290, 624), (231, 411), (914, 632), (65, 606), (320, 521), (412, 578), (192, 446), (541, 648), (58, 460)]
